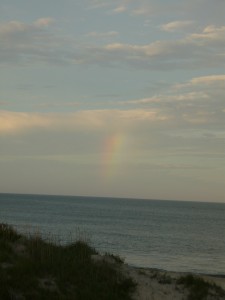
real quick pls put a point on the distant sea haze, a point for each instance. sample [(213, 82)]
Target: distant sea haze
[(169, 235)]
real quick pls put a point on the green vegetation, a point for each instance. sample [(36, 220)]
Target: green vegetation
[(32, 268), (199, 289)]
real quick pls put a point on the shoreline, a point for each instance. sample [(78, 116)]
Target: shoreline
[(179, 272), (31, 266)]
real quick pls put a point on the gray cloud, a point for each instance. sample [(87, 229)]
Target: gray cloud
[(193, 51), (197, 104), (23, 43), (37, 42)]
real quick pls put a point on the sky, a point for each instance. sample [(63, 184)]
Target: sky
[(113, 98)]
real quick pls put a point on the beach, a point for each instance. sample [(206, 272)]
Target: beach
[(159, 242), (34, 268), (167, 235), (153, 284), (156, 284)]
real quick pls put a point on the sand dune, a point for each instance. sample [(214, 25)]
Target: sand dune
[(153, 284)]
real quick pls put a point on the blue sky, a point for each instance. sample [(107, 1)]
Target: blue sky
[(113, 98)]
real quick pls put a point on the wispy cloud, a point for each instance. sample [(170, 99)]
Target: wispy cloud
[(94, 4), (194, 50), (177, 26), (210, 80), (162, 99), (14, 122), (120, 9), (188, 52), (11, 28), (43, 22), (144, 9), (24, 43), (197, 101), (99, 35), (210, 34), (115, 6)]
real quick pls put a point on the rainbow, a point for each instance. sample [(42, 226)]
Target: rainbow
[(112, 149)]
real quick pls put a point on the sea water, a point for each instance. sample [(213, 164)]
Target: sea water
[(169, 235)]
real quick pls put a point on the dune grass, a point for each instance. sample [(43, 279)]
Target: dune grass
[(32, 268), (199, 289)]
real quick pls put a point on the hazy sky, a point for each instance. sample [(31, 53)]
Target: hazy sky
[(113, 98)]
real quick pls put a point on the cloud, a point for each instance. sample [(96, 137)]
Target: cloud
[(16, 122), (43, 22), (199, 117), (162, 99), (142, 53), (14, 27), (144, 9), (214, 81), (191, 51), (23, 43), (199, 101), (176, 26), (96, 4), (109, 34), (115, 6), (210, 34), (120, 9), (12, 122), (212, 12)]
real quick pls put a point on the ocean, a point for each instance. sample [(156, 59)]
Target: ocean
[(170, 235)]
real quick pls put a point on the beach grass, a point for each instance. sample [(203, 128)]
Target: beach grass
[(199, 289), (34, 268)]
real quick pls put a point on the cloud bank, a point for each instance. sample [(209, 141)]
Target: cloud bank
[(38, 42)]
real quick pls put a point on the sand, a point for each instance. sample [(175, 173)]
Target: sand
[(153, 284)]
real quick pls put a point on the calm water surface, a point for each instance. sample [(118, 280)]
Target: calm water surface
[(171, 235)]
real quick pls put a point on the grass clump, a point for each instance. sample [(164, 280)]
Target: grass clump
[(7, 233), (199, 289), (32, 268), (116, 258)]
